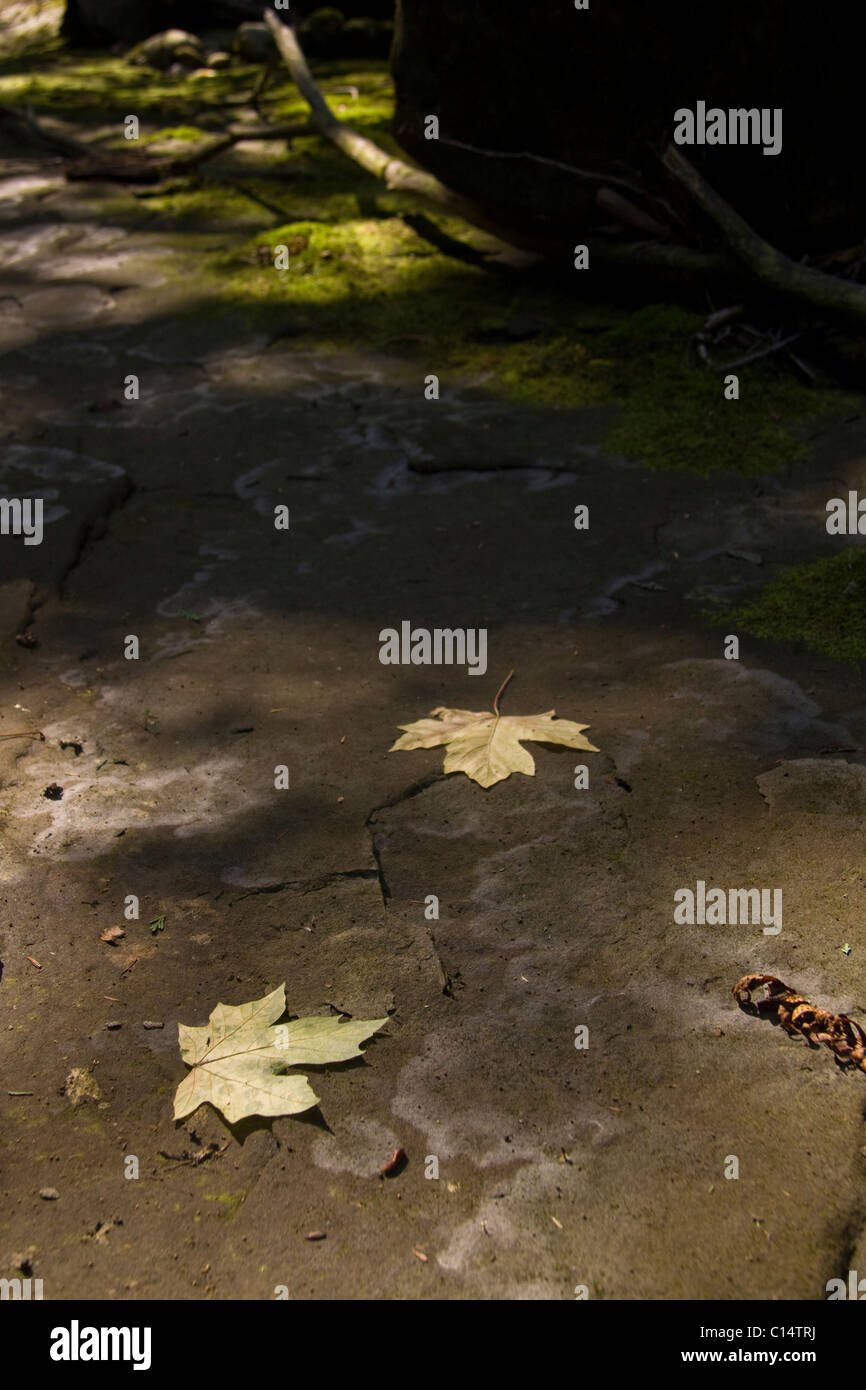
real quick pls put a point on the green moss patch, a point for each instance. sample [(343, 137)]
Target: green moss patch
[(89, 85), (375, 282), (822, 606), (189, 133), (676, 415), (361, 278), (229, 1203)]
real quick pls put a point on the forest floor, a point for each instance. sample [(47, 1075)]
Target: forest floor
[(558, 1166)]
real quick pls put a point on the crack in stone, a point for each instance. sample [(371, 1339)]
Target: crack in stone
[(384, 889), (445, 977), (33, 604), (95, 527), (414, 789), (307, 885), (619, 812), (92, 529)]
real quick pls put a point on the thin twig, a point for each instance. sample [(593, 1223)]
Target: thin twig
[(126, 164), (802, 365), (753, 356), (186, 163), (588, 175), (264, 77), (26, 733), (721, 316)]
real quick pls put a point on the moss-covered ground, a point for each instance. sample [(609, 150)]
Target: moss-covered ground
[(360, 276), (819, 606)]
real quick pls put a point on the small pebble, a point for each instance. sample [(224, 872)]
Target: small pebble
[(49, 1194), (115, 1023), (316, 1235), (149, 1023)]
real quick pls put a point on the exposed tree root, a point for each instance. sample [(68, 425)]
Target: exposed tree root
[(742, 256)]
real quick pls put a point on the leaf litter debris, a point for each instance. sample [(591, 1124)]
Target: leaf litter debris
[(799, 1018)]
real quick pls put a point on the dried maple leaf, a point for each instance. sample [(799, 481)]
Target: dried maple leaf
[(487, 745), (239, 1057)]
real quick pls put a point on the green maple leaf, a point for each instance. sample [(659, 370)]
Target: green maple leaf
[(239, 1058)]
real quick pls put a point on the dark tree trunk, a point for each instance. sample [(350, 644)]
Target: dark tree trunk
[(598, 89)]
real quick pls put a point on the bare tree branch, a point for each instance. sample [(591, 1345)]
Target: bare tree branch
[(90, 162), (760, 352), (394, 173), (235, 135), (770, 267)]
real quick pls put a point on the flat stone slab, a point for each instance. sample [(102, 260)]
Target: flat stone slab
[(815, 787), (490, 927)]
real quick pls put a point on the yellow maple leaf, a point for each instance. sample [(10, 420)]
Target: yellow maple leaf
[(486, 745)]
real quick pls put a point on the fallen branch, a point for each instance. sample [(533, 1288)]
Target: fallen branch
[(264, 131), (264, 77), (396, 175), (235, 134), (135, 168), (660, 256), (742, 256), (770, 267), (126, 166), (626, 212), (393, 172)]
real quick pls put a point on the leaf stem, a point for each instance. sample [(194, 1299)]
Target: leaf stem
[(499, 692)]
